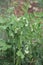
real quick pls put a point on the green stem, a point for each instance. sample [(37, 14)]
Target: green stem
[(18, 61)]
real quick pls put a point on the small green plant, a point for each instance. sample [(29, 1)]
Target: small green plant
[(24, 40)]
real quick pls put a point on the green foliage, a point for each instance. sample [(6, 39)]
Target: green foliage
[(24, 43), (3, 45), (40, 3)]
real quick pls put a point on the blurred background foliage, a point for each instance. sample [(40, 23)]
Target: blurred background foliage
[(18, 5)]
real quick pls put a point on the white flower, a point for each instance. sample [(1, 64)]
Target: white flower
[(24, 18), (18, 19), (26, 51), (26, 25), (16, 30)]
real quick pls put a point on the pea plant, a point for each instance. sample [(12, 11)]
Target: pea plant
[(23, 40)]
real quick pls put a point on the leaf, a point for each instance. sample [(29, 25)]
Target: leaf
[(3, 45), (19, 53)]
